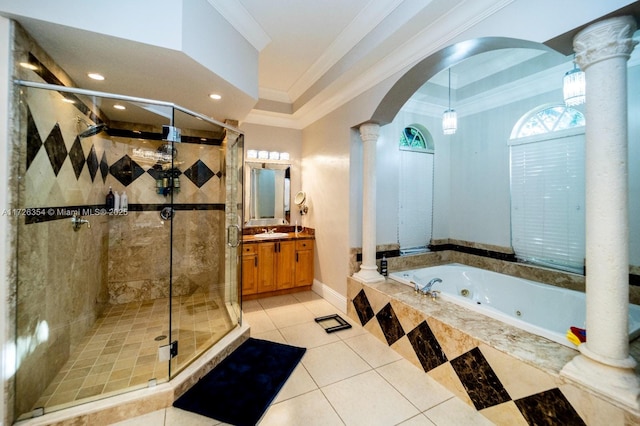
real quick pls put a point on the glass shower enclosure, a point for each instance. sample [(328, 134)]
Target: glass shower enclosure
[(128, 228)]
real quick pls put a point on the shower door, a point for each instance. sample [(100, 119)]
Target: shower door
[(204, 296), (112, 295)]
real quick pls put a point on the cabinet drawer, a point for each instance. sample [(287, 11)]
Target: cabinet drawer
[(249, 249), (304, 244)]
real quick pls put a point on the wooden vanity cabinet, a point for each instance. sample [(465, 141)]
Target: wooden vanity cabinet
[(249, 269), (285, 264), (272, 266), (304, 262)]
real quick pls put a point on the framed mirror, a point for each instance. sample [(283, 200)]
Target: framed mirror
[(268, 194)]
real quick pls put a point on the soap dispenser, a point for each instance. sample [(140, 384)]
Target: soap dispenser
[(124, 202), (116, 202), (109, 200)]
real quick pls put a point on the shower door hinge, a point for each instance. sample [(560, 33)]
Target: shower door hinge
[(166, 352)]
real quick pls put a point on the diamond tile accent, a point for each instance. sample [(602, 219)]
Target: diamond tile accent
[(199, 173), (126, 170), (363, 307), (549, 407), (56, 150), (155, 173), (390, 325), (34, 142), (104, 167), (426, 347), (479, 380), (92, 162), (76, 155)]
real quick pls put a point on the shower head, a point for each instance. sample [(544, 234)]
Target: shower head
[(91, 129)]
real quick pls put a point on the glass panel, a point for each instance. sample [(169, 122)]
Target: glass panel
[(234, 215), (200, 314), (93, 276)]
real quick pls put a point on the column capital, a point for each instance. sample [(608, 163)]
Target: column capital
[(369, 131), (604, 40)]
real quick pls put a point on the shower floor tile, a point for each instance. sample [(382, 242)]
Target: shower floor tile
[(120, 352)]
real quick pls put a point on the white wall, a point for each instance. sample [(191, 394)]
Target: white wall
[(332, 176), (472, 192)]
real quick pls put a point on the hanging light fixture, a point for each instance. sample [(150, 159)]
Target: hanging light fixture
[(450, 117), (574, 86)]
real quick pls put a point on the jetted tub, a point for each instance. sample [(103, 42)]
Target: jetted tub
[(541, 309)]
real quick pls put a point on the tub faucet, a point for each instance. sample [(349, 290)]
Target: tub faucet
[(431, 283), (426, 290)]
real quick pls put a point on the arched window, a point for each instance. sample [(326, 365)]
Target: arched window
[(415, 211), (546, 120), (416, 137), (547, 188)]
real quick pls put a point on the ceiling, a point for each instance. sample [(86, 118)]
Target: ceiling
[(313, 55)]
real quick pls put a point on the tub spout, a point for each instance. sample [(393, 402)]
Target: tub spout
[(432, 282), (426, 290)]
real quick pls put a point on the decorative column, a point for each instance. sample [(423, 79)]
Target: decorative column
[(368, 272), (604, 363)]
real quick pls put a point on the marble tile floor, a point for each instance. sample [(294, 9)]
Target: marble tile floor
[(120, 352), (345, 378)]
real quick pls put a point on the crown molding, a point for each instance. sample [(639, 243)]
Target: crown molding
[(350, 85), (370, 17), (273, 95)]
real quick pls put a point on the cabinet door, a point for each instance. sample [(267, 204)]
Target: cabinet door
[(304, 262), (249, 269), (266, 265), (285, 264)]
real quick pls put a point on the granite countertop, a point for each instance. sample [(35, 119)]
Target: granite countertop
[(289, 236)]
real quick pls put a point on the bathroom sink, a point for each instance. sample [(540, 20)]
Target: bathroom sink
[(272, 235)]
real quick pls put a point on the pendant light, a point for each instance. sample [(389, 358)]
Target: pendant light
[(574, 86), (450, 117)]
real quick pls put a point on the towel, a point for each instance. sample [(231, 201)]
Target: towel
[(577, 335)]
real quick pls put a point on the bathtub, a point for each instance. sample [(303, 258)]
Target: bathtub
[(541, 309)]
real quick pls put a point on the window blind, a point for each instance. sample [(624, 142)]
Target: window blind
[(416, 199), (547, 202)]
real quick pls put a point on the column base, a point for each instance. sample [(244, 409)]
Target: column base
[(368, 275), (619, 385)]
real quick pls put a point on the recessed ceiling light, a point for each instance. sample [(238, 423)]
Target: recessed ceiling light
[(68, 100), (215, 96), (28, 66), (95, 76), (118, 106)]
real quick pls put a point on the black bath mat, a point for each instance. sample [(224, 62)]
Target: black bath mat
[(239, 390)]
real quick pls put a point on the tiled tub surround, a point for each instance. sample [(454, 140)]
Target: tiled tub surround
[(510, 376), (492, 258), (545, 310)]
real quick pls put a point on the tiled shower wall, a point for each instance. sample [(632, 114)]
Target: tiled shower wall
[(66, 277)]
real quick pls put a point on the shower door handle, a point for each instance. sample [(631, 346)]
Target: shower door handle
[(233, 238)]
